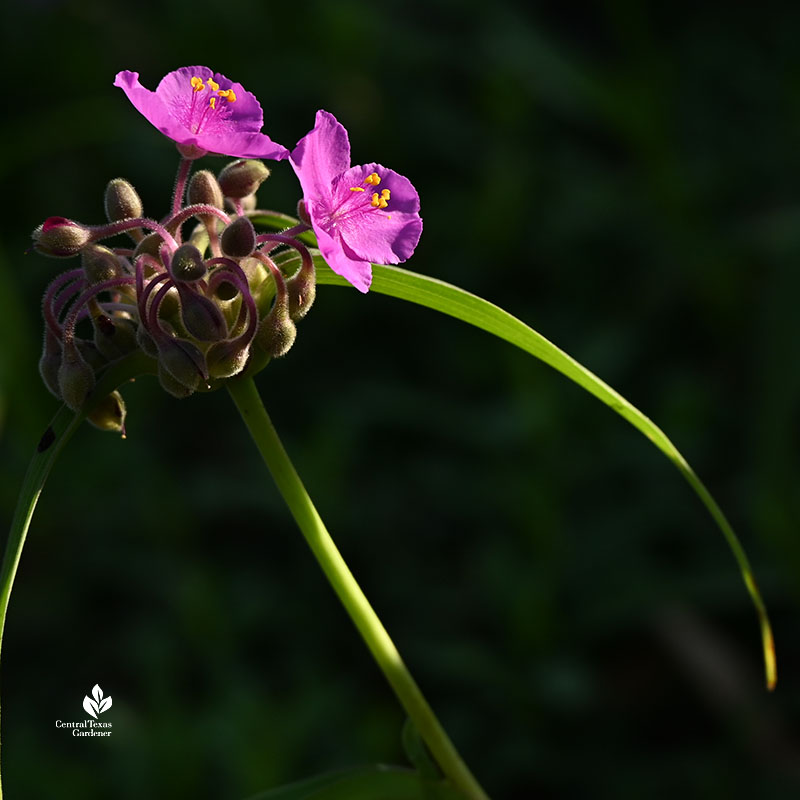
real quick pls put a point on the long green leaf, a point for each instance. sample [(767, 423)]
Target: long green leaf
[(364, 783), (467, 307)]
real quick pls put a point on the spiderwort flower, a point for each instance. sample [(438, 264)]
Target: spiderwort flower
[(360, 215), (202, 111)]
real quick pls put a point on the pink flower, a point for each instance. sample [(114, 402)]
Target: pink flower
[(360, 215), (203, 112)]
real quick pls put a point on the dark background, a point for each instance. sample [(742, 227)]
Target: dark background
[(621, 176)]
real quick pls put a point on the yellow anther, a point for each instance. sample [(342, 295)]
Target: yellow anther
[(385, 194), (213, 102), (213, 84), (378, 201), (197, 84), (356, 188), (373, 179), (228, 94)]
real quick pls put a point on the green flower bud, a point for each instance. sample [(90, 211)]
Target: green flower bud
[(114, 337), (242, 178), (276, 332), (172, 385), (122, 201), (60, 238), (99, 264), (109, 414), (145, 341), (183, 361), (75, 378), (187, 264), (201, 317), (204, 189), (302, 289), (149, 245), (239, 238), (226, 359)]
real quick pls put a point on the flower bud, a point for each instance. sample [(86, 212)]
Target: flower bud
[(226, 359), (122, 201), (60, 237), (187, 264), (151, 245), (183, 361), (114, 337), (204, 189), (302, 289), (239, 238), (276, 332), (50, 362), (99, 264), (172, 385), (75, 378), (201, 317), (242, 178), (146, 342), (109, 414)]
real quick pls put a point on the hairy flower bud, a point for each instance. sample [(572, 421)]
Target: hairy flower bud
[(205, 190), (122, 201), (183, 360), (114, 337), (201, 317), (109, 414), (75, 378), (172, 385), (226, 359), (242, 178), (239, 238), (276, 332), (302, 290), (99, 264), (60, 238), (151, 245), (187, 264)]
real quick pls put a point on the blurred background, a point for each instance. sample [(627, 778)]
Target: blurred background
[(623, 177)]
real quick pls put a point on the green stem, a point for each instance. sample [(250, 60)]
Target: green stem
[(247, 400)]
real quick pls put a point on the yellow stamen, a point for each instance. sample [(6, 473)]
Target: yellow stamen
[(213, 102), (377, 201), (197, 84), (213, 84), (228, 94), (385, 194), (373, 179), (356, 188)]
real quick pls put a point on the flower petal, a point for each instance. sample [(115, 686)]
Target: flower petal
[(382, 236), (153, 108), (320, 156), (352, 269)]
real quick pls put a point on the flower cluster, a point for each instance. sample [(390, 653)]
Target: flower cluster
[(200, 291)]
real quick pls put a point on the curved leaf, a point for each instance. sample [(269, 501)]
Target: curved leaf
[(364, 783), (455, 302)]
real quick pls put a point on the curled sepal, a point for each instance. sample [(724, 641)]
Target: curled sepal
[(109, 414), (183, 361), (75, 378)]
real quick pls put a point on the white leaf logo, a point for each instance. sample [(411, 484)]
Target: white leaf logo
[(97, 705)]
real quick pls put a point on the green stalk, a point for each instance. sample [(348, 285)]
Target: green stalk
[(247, 400)]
